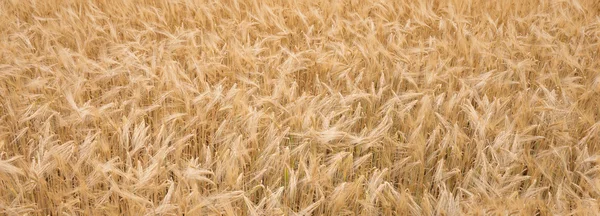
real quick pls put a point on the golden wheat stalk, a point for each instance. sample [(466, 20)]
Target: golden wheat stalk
[(234, 107)]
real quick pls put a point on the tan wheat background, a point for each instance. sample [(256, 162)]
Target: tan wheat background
[(299, 107)]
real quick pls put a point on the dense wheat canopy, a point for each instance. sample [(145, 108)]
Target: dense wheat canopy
[(299, 107)]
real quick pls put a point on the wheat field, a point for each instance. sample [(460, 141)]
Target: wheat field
[(299, 107)]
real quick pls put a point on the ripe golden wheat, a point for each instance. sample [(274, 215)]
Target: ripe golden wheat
[(299, 107)]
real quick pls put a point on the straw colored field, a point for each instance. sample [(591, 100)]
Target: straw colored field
[(247, 107)]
